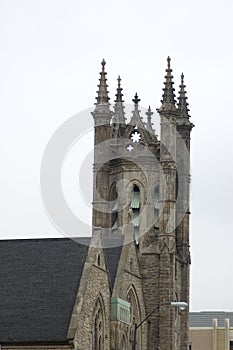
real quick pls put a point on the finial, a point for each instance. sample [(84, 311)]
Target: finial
[(136, 119), (136, 100), (168, 62), (149, 112), (103, 64), (182, 78)]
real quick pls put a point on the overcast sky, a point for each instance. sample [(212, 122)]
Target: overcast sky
[(50, 54)]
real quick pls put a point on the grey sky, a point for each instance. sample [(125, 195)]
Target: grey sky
[(50, 54)]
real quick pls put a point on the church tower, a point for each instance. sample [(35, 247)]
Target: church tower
[(141, 185)]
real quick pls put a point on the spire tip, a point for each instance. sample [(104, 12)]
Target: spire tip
[(182, 78), (168, 62), (103, 63)]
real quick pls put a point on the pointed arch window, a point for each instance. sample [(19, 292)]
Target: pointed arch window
[(134, 316), (135, 206), (115, 207), (156, 207), (98, 327)]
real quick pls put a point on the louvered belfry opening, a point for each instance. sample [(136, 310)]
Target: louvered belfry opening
[(135, 205)]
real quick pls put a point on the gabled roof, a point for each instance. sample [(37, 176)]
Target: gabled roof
[(205, 318), (39, 279)]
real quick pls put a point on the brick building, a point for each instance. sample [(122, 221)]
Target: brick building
[(211, 330), (63, 294)]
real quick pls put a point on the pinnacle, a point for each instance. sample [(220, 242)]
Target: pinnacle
[(102, 92), (119, 94), (119, 115), (183, 104), (149, 124), (168, 100)]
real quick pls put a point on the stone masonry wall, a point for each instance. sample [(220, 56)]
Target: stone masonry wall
[(129, 278), (94, 284)]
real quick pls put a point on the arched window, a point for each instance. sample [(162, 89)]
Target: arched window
[(156, 207), (135, 206), (134, 315), (98, 326), (115, 207)]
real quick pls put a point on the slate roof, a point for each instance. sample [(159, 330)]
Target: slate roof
[(205, 318), (39, 280)]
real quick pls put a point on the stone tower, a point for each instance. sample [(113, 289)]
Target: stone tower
[(141, 185)]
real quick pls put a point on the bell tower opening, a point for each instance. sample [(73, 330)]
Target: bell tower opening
[(135, 206)]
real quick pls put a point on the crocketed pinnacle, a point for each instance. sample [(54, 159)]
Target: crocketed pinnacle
[(168, 100), (102, 92), (119, 94), (183, 104), (149, 124), (119, 115)]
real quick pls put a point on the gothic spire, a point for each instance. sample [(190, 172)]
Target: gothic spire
[(136, 119), (183, 104), (149, 124), (119, 115), (102, 114), (168, 99), (102, 92)]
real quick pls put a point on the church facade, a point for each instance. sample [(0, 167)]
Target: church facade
[(88, 295)]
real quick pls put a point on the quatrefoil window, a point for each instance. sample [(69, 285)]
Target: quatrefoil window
[(135, 136)]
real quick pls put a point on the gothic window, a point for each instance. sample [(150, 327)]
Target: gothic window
[(134, 316), (156, 207), (135, 206), (98, 327), (115, 207)]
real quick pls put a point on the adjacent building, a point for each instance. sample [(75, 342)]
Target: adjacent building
[(211, 330)]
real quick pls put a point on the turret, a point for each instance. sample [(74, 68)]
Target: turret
[(102, 114), (102, 117), (167, 190), (184, 127)]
